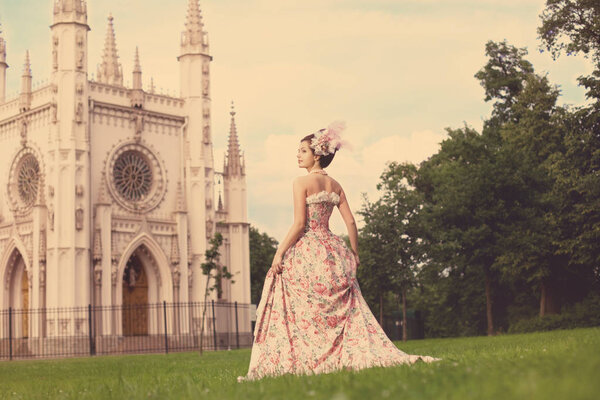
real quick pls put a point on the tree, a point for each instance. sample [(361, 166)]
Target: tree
[(378, 260), (397, 183), (390, 249), (577, 188), (262, 250), (523, 117), (463, 186), (503, 77), (212, 269), (531, 233), (572, 27)]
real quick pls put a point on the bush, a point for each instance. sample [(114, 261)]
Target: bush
[(583, 314)]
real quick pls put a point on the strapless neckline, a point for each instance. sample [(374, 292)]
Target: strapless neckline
[(323, 196)]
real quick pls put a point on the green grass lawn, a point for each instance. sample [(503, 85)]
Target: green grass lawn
[(549, 365)]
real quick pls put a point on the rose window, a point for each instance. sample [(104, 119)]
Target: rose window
[(28, 180), (132, 175), (25, 180), (136, 177)]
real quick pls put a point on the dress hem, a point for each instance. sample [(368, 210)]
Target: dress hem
[(411, 359)]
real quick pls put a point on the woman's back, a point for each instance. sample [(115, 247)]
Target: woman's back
[(317, 183)]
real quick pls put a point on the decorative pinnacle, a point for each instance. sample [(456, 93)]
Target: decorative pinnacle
[(137, 75), (220, 205), (233, 162), (27, 65), (194, 34), (109, 71), (193, 22), (136, 61)]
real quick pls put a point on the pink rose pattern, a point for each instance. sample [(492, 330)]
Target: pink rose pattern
[(312, 317)]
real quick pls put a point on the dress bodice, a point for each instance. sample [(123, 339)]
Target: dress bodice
[(319, 207)]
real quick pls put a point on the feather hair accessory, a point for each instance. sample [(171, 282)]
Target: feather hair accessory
[(328, 141)]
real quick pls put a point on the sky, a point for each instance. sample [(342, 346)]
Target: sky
[(397, 71)]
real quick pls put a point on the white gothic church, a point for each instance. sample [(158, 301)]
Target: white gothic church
[(109, 193)]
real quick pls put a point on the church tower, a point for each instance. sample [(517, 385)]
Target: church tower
[(194, 62), (234, 183), (68, 176)]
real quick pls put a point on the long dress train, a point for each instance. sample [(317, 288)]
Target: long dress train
[(312, 318)]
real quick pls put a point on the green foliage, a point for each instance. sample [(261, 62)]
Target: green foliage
[(390, 248), (465, 188), (504, 76), (530, 141), (536, 366), (452, 302), (583, 314), (211, 268), (507, 221), (262, 250), (572, 27), (577, 172)]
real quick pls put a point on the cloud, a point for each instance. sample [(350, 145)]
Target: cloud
[(270, 173), (398, 72)]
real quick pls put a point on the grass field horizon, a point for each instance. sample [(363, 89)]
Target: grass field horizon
[(545, 365)]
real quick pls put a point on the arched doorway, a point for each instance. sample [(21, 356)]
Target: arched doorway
[(18, 293), (147, 292), (135, 297)]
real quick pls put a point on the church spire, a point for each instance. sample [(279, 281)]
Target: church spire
[(70, 11), (25, 97), (110, 71), (137, 70), (137, 95), (3, 67), (233, 160), (194, 39), (220, 204)]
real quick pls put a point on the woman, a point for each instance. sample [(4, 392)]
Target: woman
[(312, 317)]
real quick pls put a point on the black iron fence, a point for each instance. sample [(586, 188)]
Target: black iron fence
[(145, 328)]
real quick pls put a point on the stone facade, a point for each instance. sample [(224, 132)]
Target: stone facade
[(98, 177)]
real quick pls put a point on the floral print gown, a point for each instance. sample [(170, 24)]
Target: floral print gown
[(312, 317)]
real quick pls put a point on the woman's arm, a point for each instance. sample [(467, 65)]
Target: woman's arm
[(297, 227), (350, 224)]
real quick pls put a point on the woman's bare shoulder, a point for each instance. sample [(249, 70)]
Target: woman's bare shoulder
[(301, 183), (301, 180), (336, 186)]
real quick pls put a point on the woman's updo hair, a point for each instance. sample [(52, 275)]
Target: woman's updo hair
[(324, 161)]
